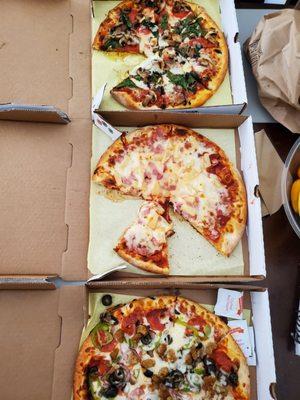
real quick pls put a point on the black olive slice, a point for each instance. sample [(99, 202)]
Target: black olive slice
[(106, 300), (110, 392), (117, 378)]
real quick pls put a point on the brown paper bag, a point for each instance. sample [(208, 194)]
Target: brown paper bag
[(274, 53), (270, 167)]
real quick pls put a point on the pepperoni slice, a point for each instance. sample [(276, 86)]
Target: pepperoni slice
[(128, 322), (143, 30), (154, 317), (132, 15), (108, 348), (198, 322), (222, 360), (101, 363), (181, 14), (131, 48), (203, 42)]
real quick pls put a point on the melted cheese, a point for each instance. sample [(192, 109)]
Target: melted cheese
[(176, 170), (148, 235)]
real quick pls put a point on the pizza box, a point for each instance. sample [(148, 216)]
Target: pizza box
[(46, 166), (45, 226), (245, 263), (41, 330), (231, 98)]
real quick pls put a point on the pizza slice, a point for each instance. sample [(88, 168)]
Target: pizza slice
[(226, 371), (116, 32), (144, 243)]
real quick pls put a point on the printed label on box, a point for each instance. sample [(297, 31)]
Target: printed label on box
[(100, 122), (239, 331), (229, 304)]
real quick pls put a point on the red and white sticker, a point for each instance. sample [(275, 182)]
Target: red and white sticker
[(239, 331), (229, 304)]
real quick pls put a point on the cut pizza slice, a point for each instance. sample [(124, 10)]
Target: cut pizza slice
[(144, 243), (116, 32), (226, 371)]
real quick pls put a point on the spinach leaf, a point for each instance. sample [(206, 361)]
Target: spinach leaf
[(111, 43), (125, 19), (138, 78), (190, 27), (155, 77), (126, 83), (187, 81), (164, 22), (151, 25)]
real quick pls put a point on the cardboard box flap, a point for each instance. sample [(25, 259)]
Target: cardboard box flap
[(45, 65), (32, 113), (27, 282), (34, 162), (30, 332), (193, 120), (119, 280), (44, 229), (34, 52), (71, 311)]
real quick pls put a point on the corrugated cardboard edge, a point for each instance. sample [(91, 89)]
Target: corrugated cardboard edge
[(26, 282), (156, 283), (264, 345), (254, 223), (237, 78), (33, 113)]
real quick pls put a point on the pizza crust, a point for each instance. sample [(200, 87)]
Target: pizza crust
[(87, 351), (137, 261)]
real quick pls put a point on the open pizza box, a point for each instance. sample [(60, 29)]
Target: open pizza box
[(41, 329), (46, 167), (230, 98), (45, 227)]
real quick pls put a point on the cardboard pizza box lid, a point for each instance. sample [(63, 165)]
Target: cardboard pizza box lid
[(47, 325), (45, 167)]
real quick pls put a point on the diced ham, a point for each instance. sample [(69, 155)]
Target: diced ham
[(136, 393)]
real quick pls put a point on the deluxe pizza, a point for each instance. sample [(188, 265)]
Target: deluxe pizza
[(160, 348), (186, 53), (170, 165)]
